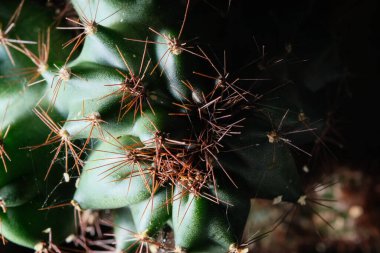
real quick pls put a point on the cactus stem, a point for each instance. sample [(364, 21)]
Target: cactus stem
[(62, 75), (276, 136), (164, 161), (174, 47), (3, 154), (3, 206), (221, 80), (1, 233), (94, 122), (142, 239), (87, 25), (213, 114), (63, 137), (174, 44), (40, 60), (132, 89), (127, 156)]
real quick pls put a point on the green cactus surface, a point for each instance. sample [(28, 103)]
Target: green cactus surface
[(153, 112)]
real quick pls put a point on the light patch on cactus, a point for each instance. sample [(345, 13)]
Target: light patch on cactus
[(41, 69), (277, 200), (66, 177), (77, 183), (3, 206), (70, 238), (64, 73), (302, 200), (197, 96)]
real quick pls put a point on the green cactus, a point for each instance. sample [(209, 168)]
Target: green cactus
[(149, 110)]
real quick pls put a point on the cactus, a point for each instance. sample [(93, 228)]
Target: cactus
[(151, 110)]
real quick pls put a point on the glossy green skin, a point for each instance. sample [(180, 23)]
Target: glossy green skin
[(25, 224), (124, 228), (18, 192), (259, 168), (23, 189), (110, 187), (23, 160)]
